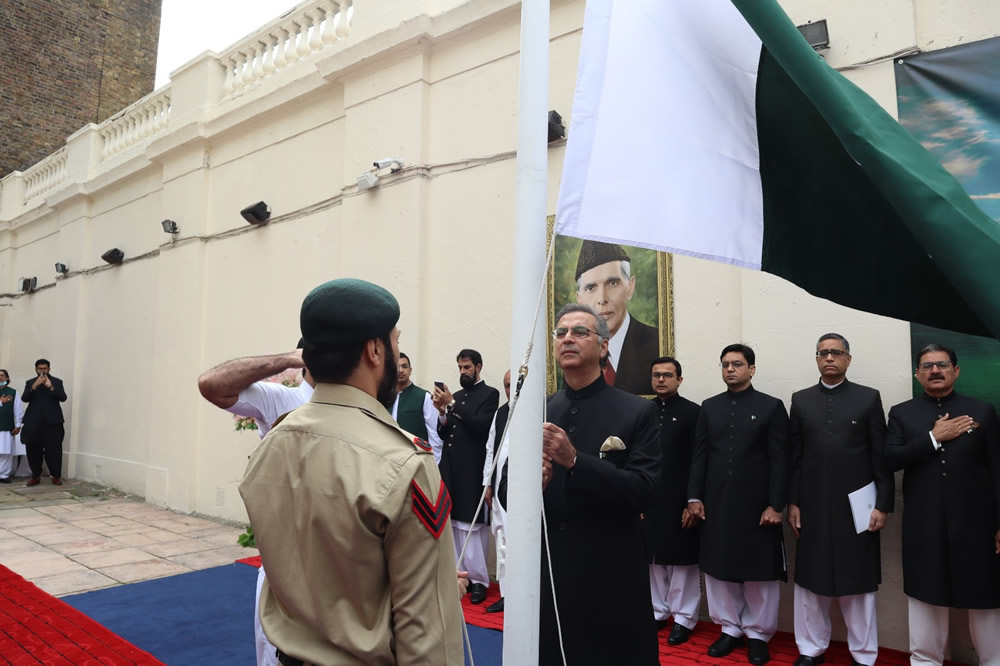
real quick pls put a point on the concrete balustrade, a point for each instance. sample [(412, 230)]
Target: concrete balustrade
[(307, 30)]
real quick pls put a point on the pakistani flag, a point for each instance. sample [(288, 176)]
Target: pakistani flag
[(710, 128)]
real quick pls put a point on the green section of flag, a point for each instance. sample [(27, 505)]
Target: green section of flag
[(855, 209)]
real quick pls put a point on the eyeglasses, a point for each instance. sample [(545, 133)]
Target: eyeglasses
[(663, 375), (578, 332), (836, 353), (735, 364), (929, 365)]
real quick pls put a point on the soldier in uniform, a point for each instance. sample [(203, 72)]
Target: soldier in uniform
[(739, 478), (837, 444), (602, 455), (464, 426), (349, 511), (671, 530), (948, 446)]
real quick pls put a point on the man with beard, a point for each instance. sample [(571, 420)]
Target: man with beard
[(671, 530), (739, 476), (837, 447), (601, 460), (496, 448), (948, 446), (604, 281), (414, 410), (464, 426), (349, 512)]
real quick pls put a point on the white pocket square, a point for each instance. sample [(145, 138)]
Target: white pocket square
[(612, 444)]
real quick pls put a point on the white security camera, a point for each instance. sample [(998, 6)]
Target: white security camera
[(390, 163)]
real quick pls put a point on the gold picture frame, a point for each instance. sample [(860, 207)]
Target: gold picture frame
[(561, 285)]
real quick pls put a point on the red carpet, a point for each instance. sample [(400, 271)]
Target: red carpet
[(252, 561), (782, 646), (37, 628)]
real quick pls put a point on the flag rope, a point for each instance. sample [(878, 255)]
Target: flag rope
[(522, 373)]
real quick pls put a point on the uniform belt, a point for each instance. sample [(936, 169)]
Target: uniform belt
[(285, 660)]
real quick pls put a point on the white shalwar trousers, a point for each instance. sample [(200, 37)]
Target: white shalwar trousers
[(266, 653), (676, 590), (498, 525), (929, 633), (6, 465), (475, 554), (744, 609), (813, 627)]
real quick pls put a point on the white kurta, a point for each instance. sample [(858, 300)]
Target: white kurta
[(11, 444)]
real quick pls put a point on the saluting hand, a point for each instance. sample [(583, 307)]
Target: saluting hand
[(795, 518), (946, 429), (770, 517), (555, 442)]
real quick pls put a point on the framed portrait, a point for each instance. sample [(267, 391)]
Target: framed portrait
[(631, 287)]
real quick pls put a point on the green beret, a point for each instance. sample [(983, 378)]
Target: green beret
[(345, 311), (595, 253)]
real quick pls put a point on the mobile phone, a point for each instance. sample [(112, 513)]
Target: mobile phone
[(440, 385)]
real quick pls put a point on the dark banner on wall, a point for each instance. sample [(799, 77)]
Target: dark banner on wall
[(950, 101)]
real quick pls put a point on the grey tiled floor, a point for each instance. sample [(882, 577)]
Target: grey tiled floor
[(80, 537)]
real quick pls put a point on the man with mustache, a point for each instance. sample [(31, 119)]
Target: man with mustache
[(739, 477), (604, 282), (414, 410), (837, 447), (349, 511), (948, 446), (464, 426)]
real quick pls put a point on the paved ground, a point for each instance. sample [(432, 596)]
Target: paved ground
[(80, 536)]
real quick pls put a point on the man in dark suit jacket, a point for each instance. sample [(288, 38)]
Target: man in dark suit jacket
[(464, 426), (42, 431), (604, 282)]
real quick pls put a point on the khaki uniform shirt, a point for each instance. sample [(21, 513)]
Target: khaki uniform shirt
[(351, 520)]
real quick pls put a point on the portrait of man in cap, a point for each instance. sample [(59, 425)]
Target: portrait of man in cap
[(606, 281)]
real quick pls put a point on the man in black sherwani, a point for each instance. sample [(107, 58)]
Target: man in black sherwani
[(464, 426), (601, 459), (671, 530), (837, 446), (948, 446), (739, 478)]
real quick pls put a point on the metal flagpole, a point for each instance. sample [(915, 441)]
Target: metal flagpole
[(524, 483)]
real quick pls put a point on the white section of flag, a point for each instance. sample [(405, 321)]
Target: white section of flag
[(662, 150)]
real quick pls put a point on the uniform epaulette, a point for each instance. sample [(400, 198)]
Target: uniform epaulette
[(419, 443)]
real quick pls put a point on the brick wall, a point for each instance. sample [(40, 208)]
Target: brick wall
[(66, 63)]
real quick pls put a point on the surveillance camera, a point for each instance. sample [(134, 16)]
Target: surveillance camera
[(390, 163)]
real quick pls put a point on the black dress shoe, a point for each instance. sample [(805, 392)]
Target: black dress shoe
[(679, 634), (724, 645), (757, 653), (5, 479), (803, 660), (495, 607), (477, 593)]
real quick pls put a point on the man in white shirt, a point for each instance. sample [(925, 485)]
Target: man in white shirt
[(496, 446), (413, 409), (238, 387)]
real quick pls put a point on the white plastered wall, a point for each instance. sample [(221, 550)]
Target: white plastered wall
[(433, 83)]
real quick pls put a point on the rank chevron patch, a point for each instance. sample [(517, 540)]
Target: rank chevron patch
[(433, 516)]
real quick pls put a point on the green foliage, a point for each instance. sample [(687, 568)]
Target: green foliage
[(246, 539)]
